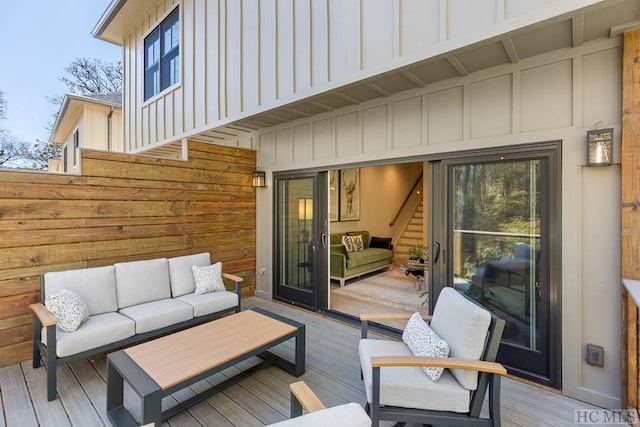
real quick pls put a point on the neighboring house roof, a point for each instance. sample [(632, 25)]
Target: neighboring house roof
[(71, 107)]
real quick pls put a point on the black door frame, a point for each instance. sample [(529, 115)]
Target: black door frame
[(317, 253), (441, 273)]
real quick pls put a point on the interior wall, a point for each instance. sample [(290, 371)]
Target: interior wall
[(556, 96), (383, 189)]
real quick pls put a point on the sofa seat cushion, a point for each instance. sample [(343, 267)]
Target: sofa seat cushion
[(181, 274), (211, 302), (347, 415), (138, 282), (368, 256), (96, 286), (95, 332), (158, 314), (409, 387)]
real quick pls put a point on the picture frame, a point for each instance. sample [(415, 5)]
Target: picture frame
[(334, 187), (350, 194)]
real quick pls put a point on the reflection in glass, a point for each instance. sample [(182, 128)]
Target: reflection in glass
[(496, 243)]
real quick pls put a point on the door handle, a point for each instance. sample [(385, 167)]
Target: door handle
[(324, 238), (436, 252)]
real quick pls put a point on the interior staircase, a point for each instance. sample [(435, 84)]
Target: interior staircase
[(410, 236)]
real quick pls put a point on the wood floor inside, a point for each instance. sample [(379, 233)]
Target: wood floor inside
[(333, 373)]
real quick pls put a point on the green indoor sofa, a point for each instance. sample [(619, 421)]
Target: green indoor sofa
[(376, 255)]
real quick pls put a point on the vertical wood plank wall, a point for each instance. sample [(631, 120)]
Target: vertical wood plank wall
[(630, 220), (121, 208)]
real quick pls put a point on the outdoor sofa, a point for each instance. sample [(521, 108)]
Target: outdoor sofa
[(126, 302), (376, 254)]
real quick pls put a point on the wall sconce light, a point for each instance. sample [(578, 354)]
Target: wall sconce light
[(305, 209), (600, 147), (258, 179)]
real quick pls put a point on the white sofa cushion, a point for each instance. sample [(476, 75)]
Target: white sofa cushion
[(96, 286), (68, 308), (423, 341), (97, 331), (158, 314), (210, 303), (464, 326), (138, 282), (347, 415), (409, 387), (181, 275)]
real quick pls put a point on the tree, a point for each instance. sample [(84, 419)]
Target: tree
[(3, 106), (13, 152)]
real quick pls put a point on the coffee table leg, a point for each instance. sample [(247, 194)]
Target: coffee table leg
[(152, 408), (300, 351), (115, 387)]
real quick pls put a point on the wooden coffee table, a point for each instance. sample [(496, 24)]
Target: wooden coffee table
[(165, 365)]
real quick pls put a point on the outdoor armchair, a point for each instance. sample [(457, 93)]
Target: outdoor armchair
[(397, 387), (302, 397)]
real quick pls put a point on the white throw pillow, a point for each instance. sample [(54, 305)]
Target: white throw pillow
[(353, 243), (68, 308), (423, 341), (208, 279)]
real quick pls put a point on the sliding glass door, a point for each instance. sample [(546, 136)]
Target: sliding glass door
[(301, 219), (498, 246)]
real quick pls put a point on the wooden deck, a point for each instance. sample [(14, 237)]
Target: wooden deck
[(332, 372)]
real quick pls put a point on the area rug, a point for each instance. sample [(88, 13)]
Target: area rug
[(392, 288)]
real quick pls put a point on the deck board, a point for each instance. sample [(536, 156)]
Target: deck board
[(48, 413), (332, 372)]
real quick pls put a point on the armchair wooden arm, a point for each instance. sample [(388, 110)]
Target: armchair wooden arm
[(438, 362), (305, 397), (366, 317), (45, 316), (233, 277)]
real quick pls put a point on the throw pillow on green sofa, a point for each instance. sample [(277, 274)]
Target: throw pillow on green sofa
[(381, 242)]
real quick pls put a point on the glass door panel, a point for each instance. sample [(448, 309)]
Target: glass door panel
[(296, 244), (495, 230), (496, 243)]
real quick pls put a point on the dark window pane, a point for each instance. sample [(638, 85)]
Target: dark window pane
[(162, 56)]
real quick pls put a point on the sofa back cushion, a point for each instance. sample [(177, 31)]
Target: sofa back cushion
[(96, 286), (138, 282), (336, 238), (181, 274), (464, 325)]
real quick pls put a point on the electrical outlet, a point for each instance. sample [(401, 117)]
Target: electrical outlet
[(595, 355)]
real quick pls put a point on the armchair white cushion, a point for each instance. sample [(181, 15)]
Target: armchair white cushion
[(409, 387), (464, 326), (347, 415)]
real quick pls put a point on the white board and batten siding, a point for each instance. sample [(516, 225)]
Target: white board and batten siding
[(244, 57), (556, 96)]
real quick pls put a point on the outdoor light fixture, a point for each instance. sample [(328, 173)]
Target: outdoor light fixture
[(600, 147), (259, 179)]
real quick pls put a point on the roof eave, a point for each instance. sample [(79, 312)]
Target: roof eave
[(100, 31)]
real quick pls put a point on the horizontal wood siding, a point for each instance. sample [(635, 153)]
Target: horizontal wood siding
[(122, 208)]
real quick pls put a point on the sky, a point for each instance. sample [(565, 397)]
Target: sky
[(39, 39)]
